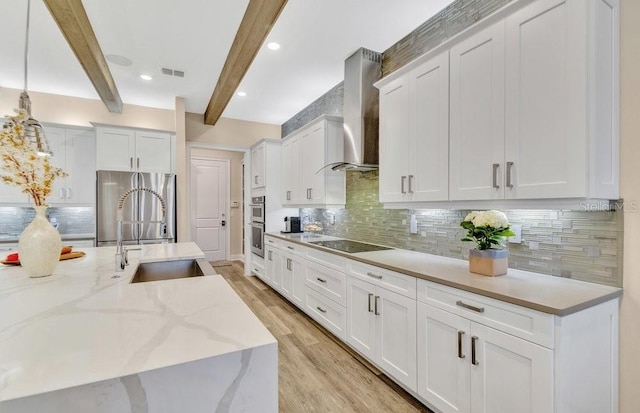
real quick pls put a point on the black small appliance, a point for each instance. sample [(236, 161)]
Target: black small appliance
[(292, 225)]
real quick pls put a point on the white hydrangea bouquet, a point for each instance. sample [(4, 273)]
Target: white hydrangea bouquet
[(22, 165), (486, 228)]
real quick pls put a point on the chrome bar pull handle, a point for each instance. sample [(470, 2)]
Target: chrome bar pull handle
[(322, 310), (509, 169), (131, 162), (68, 190), (410, 186), (474, 359), (460, 335), (376, 276), (255, 179), (370, 297), (470, 307), (375, 305), (495, 175), (402, 179), (290, 247), (270, 256), (322, 280), (288, 195)]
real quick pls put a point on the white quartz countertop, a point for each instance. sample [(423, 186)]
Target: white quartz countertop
[(546, 293), (81, 326)]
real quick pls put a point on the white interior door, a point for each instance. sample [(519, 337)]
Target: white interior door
[(209, 205)]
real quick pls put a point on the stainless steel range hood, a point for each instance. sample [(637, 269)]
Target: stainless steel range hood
[(360, 111)]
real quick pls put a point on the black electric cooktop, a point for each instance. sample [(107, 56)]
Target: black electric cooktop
[(350, 246)]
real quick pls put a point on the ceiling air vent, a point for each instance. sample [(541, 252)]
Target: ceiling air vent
[(172, 72)]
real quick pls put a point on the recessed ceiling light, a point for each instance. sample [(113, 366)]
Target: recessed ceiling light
[(145, 77), (242, 93), (119, 60), (273, 46)]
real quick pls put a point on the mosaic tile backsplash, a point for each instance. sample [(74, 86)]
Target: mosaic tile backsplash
[(572, 244), (69, 220)]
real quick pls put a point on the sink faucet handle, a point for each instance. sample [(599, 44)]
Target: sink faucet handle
[(125, 258)]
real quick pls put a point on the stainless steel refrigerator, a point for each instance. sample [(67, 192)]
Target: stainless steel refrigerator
[(139, 206)]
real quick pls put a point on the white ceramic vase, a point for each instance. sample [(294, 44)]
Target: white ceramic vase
[(39, 246)]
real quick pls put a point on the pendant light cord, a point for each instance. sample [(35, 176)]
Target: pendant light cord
[(25, 102), (26, 46)]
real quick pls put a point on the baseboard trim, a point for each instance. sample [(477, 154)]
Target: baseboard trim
[(237, 257)]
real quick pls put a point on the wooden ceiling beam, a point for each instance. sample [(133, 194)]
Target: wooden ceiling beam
[(72, 20), (256, 24)]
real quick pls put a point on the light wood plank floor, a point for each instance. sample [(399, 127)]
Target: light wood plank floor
[(317, 373)]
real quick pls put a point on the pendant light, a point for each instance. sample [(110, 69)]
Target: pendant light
[(32, 129)]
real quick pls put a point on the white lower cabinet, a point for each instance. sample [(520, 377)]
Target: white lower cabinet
[(325, 311), (455, 350), (381, 325), (464, 367), (292, 286), (271, 265), (481, 355)]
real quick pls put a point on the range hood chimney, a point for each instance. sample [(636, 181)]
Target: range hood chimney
[(360, 111)]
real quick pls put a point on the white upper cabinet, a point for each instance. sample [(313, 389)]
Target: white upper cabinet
[(291, 178), (414, 134), (561, 100), (115, 149), (533, 100), (74, 150), (394, 140), (304, 155), (258, 166), (477, 116), (133, 150)]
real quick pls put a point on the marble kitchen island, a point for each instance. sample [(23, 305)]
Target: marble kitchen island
[(82, 341)]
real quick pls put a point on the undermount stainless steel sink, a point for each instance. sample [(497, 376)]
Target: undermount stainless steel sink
[(169, 270)]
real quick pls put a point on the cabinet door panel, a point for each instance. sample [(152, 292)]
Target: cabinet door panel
[(115, 149), (257, 166), (313, 156), (429, 149), (396, 336), (477, 116), (57, 140), (511, 374), (153, 152), (546, 136), (81, 163), (297, 283), (444, 359), (271, 264), (394, 140), (361, 321), (291, 176), (286, 284)]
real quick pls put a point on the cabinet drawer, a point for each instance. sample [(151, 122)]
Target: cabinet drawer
[(257, 269), (328, 282), (522, 322), (327, 259), (393, 281), (274, 242), (292, 248), (328, 313)]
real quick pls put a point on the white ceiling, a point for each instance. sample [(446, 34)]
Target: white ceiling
[(195, 36)]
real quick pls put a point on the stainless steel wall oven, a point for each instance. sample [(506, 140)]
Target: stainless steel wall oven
[(257, 225)]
